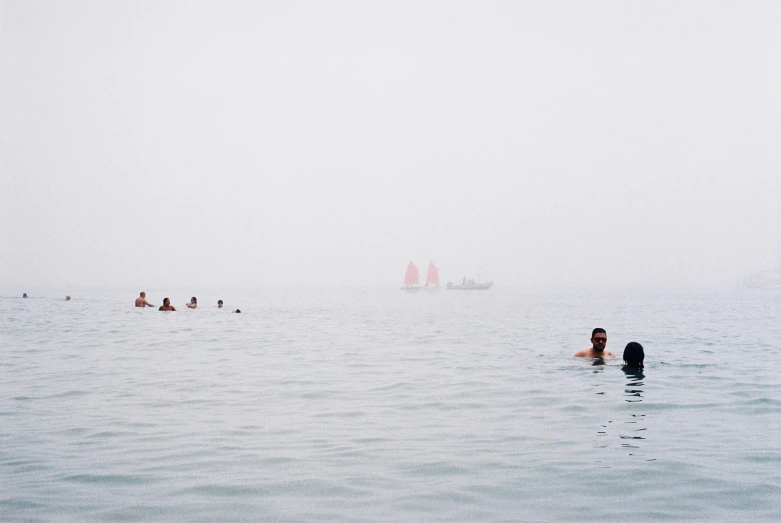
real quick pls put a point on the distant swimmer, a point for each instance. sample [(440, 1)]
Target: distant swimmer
[(633, 356), (236, 310), (193, 302), (24, 295), (219, 304), (597, 349), (67, 298), (166, 306), (141, 301)]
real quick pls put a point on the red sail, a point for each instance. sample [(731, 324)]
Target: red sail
[(432, 275), (411, 278)]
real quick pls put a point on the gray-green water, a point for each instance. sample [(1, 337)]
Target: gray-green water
[(381, 405)]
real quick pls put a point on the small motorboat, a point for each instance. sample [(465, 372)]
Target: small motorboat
[(478, 284), (469, 286)]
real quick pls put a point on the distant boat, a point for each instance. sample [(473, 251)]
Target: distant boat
[(411, 279), (432, 277), (480, 284), (469, 286), (764, 280)]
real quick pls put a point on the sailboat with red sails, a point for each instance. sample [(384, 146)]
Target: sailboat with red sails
[(411, 278), (432, 277)]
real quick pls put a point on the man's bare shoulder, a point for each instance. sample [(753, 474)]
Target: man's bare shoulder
[(590, 353)]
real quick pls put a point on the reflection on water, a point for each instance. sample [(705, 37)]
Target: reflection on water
[(634, 382), (632, 431), (633, 393)]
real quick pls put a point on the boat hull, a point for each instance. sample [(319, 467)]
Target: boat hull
[(470, 286)]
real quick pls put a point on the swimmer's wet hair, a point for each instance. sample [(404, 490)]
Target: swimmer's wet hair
[(634, 354), (598, 331)]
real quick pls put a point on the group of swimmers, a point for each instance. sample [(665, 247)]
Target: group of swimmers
[(141, 301), (633, 352)]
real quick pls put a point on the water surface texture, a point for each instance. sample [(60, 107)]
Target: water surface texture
[(383, 405)]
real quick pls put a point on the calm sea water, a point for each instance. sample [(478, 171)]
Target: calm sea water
[(381, 405)]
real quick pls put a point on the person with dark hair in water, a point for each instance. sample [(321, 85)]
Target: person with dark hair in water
[(166, 306), (24, 295), (236, 310), (193, 302), (219, 304), (597, 349), (633, 355)]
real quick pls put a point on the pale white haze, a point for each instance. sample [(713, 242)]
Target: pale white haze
[(150, 144)]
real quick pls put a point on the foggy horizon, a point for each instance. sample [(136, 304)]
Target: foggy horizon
[(197, 145)]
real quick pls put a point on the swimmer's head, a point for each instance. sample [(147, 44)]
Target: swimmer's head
[(219, 304), (598, 339), (143, 294), (166, 301), (193, 300), (634, 355), (67, 298), (24, 295)]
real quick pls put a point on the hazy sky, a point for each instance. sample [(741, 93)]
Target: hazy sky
[(231, 143)]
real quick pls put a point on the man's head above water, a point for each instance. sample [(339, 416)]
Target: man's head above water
[(598, 339), (598, 344)]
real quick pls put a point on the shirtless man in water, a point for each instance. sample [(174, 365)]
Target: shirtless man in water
[(141, 301), (597, 349), (166, 306)]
